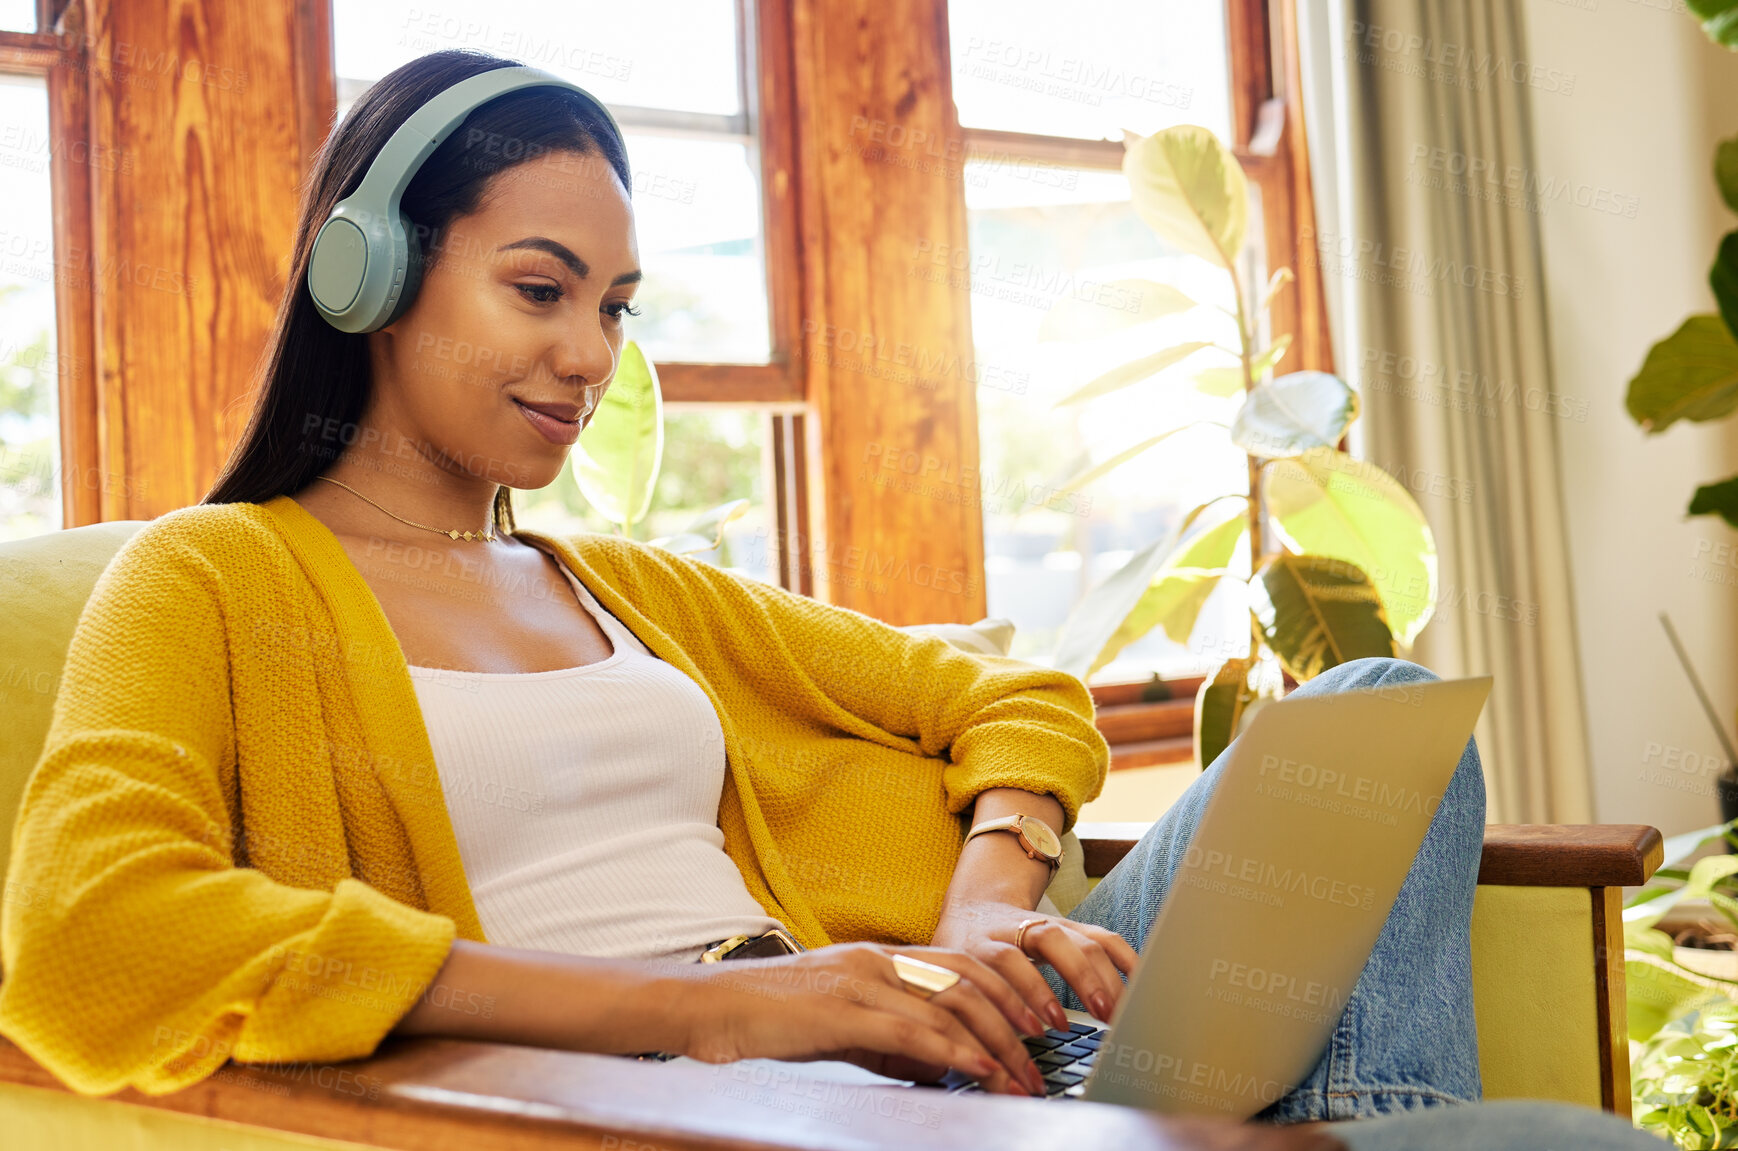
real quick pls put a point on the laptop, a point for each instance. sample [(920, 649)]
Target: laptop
[(1271, 917)]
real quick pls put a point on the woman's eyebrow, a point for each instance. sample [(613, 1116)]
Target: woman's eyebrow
[(562, 252)]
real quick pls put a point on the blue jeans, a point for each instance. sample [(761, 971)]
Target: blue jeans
[(1407, 1040)]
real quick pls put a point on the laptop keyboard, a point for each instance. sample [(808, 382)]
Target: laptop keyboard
[(1065, 1059)]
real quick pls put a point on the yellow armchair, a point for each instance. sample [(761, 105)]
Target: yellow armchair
[(1547, 966)]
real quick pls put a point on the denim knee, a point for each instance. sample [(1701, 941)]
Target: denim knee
[(1371, 671), (1466, 790)]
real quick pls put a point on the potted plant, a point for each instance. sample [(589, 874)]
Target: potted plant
[(1343, 563)]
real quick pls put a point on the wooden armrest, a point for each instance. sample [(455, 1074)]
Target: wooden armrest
[(446, 1093), (1515, 854), (1570, 854)]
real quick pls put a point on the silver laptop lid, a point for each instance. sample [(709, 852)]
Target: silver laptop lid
[(1281, 895)]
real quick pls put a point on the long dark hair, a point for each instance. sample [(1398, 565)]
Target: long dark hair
[(316, 381)]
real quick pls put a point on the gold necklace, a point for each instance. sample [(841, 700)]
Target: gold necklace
[(487, 535)]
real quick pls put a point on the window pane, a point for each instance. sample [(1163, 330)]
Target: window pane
[(674, 54), (697, 212), (18, 15), (697, 194), (1035, 245), (711, 457), (1090, 69), (29, 374)]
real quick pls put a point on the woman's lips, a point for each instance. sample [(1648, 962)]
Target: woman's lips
[(554, 430)]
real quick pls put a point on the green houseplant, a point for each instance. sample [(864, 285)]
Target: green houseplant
[(1343, 563), (1683, 1001), (1692, 374), (1684, 1020), (620, 452)]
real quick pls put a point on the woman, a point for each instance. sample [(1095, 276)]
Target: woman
[(311, 778)]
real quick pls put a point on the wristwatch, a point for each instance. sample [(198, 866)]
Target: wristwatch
[(1035, 836), (773, 942)]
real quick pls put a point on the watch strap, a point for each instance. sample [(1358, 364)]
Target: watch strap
[(1013, 823)]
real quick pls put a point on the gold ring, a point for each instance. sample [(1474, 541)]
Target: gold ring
[(1020, 933), (925, 979)]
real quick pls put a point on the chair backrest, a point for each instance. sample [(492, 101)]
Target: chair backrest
[(44, 583)]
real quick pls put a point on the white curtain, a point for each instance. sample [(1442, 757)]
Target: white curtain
[(1428, 240)]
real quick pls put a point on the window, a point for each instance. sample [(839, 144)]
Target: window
[(680, 79), (30, 465), (1043, 99)]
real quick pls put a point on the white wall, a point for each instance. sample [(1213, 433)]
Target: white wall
[(1651, 98)]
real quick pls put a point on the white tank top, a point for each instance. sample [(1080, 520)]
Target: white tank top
[(585, 802)]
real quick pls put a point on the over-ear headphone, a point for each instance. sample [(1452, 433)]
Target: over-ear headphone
[(367, 261)]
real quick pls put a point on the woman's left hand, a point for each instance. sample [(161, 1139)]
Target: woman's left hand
[(1090, 959)]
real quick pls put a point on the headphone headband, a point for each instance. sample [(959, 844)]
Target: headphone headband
[(366, 261)]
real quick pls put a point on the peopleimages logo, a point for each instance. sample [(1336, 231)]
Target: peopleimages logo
[(1222, 872), (1271, 991), (1188, 1080), (1359, 789)]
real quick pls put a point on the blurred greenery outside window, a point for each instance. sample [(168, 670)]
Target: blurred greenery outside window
[(30, 466), (1050, 229), (672, 76)]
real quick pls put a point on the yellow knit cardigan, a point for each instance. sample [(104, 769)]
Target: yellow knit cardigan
[(236, 841)]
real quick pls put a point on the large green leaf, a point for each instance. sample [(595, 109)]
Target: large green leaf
[(1114, 306), (1098, 615), (1294, 413), (1660, 991), (1326, 503), (1719, 20), (1726, 171), (1134, 371), (1180, 587), (1189, 188), (1692, 374), (1317, 612), (1220, 706), (1723, 278), (617, 457), (1719, 499)]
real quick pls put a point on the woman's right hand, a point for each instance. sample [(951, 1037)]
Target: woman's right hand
[(846, 1002)]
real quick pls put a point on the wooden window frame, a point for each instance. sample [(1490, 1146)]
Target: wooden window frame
[(1150, 722)]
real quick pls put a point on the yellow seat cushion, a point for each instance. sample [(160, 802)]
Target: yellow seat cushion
[(1534, 993), (44, 583), (37, 1119)]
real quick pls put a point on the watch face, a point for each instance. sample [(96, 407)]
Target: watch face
[(1041, 837)]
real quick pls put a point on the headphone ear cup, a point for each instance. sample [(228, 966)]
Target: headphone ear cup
[(412, 271)]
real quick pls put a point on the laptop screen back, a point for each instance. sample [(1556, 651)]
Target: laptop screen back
[(1282, 892)]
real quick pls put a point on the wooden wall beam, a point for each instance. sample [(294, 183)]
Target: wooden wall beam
[(189, 238), (887, 347)]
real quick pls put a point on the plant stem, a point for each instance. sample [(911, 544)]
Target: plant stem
[(1256, 544)]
